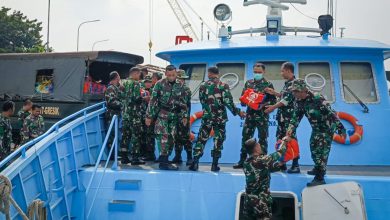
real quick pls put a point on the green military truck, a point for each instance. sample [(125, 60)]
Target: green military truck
[(62, 83)]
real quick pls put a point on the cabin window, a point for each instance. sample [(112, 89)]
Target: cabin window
[(234, 75), (318, 77), (44, 81), (196, 72), (358, 80), (272, 73)]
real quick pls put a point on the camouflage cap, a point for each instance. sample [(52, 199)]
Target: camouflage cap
[(181, 74), (148, 78), (299, 85)]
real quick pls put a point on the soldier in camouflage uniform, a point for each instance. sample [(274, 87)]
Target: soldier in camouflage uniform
[(166, 107), (156, 76), (256, 118), (144, 73), (133, 114), (214, 96), (112, 96), (23, 113), (33, 125), (324, 122), (257, 169), (183, 131), (286, 109), (6, 129), (148, 142)]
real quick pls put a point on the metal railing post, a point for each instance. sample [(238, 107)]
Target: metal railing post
[(101, 154), (115, 165)]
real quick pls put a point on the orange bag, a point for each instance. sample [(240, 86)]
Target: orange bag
[(252, 99), (292, 151)]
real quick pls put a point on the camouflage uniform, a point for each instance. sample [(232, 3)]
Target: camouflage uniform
[(165, 108), (214, 96), (32, 128), (257, 118), (5, 136), (112, 96), (324, 122), (22, 115), (284, 116), (183, 131), (132, 117), (257, 197), (148, 142)]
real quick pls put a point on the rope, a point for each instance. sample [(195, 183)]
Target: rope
[(6, 199), (36, 208)]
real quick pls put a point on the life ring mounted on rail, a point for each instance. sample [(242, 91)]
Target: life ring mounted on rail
[(358, 130), (193, 118)]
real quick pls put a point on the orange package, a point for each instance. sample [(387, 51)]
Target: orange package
[(252, 98), (292, 151)]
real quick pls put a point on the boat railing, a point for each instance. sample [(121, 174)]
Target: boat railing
[(54, 129), (114, 146)]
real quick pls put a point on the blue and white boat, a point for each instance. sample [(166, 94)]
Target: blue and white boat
[(66, 167)]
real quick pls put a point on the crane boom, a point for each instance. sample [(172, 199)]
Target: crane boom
[(181, 17)]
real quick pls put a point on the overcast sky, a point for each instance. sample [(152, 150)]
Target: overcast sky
[(126, 22)]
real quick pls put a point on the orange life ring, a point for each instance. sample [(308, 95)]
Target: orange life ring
[(356, 136), (195, 117)]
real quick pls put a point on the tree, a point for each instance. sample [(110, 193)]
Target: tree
[(19, 34)]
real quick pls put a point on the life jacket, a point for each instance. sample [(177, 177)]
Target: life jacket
[(252, 98), (292, 151)]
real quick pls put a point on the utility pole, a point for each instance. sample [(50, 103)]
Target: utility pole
[(48, 28), (96, 42), (78, 30)]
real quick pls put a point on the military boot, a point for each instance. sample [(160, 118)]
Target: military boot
[(195, 164), (214, 165), (150, 157), (136, 161), (189, 158), (165, 165), (312, 172), (294, 167), (177, 159), (240, 163), (318, 179), (158, 160), (124, 158)]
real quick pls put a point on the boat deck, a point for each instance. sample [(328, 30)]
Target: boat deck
[(383, 171)]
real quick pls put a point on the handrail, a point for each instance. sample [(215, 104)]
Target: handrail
[(114, 146), (22, 149)]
